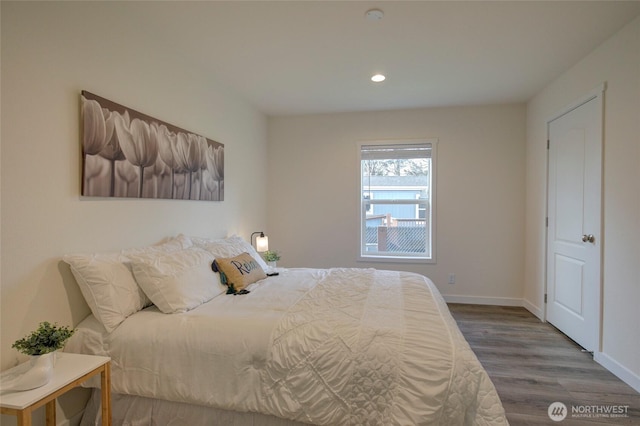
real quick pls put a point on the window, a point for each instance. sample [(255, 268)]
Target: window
[(396, 200)]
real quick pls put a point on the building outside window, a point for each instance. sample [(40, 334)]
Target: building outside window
[(397, 183)]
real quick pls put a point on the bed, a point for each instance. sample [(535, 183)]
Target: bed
[(341, 346)]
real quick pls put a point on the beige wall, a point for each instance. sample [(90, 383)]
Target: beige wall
[(313, 193), (50, 52), (616, 62)]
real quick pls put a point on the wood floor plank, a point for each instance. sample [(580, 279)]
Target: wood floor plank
[(532, 365)]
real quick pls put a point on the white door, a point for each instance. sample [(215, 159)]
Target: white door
[(574, 221)]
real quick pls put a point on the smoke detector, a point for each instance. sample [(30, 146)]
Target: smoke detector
[(374, 14)]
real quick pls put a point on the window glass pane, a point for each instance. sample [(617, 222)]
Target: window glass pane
[(395, 229), (396, 200)]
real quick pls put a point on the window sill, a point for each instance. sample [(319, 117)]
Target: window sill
[(395, 259)]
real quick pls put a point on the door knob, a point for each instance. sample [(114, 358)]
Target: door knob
[(588, 238)]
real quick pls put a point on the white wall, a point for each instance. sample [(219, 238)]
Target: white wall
[(50, 52), (314, 206), (616, 62)]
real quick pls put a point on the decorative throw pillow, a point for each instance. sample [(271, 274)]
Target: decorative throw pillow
[(239, 271)]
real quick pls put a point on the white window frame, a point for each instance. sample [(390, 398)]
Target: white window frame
[(418, 205), (403, 258)]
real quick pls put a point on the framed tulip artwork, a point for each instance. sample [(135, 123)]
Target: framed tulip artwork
[(128, 154)]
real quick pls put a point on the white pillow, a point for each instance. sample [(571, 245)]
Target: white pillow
[(177, 281), (228, 247), (107, 284)]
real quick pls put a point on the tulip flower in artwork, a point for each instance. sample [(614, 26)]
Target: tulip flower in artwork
[(112, 150), (188, 154), (203, 163), (95, 167), (126, 174), (166, 143), (210, 185), (158, 179), (215, 163), (138, 145), (94, 136)]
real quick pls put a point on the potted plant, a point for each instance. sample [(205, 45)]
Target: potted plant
[(40, 345), (47, 338), (271, 257)]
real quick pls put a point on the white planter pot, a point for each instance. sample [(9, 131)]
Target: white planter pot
[(39, 373)]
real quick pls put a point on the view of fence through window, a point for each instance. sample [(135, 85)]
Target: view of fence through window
[(396, 187)]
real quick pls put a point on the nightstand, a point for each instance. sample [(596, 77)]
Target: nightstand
[(70, 371)]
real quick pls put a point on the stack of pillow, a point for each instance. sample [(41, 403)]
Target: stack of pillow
[(175, 275)]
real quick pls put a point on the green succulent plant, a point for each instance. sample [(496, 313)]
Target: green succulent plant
[(271, 256), (47, 338)]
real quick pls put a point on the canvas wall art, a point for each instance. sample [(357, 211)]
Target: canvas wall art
[(129, 154)]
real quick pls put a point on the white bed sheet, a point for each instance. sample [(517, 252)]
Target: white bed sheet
[(339, 346)]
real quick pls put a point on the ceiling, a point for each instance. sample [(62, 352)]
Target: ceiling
[(300, 57)]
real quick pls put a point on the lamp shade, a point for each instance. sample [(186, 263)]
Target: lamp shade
[(262, 243)]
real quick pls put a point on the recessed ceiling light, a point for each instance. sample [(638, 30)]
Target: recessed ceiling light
[(378, 78)]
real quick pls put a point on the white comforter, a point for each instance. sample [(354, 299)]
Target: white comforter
[(327, 347)]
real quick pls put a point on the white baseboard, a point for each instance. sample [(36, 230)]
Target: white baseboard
[(622, 372), (538, 312), (481, 300), (498, 301)]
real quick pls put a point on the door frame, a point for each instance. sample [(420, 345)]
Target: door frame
[(598, 94)]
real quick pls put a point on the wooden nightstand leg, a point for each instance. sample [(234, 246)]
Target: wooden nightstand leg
[(24, 417), (51, 413), (105, 391)]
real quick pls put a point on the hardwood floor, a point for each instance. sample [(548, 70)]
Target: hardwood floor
[(532, 365)]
